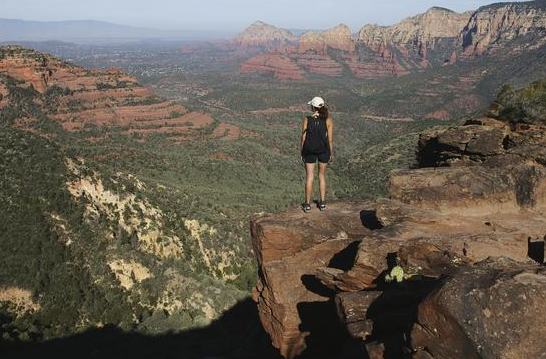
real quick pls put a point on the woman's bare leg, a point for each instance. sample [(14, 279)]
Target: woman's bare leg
[(322, 180), (310, 171)]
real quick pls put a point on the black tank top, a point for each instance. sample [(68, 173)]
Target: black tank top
[(316, 135)]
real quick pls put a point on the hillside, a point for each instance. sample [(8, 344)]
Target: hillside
[(85, 248), (120, 250), (109, 209)]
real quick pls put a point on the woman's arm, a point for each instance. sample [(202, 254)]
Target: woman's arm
[(330, 127), (303, 133)]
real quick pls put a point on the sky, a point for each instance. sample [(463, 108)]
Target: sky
[(228, 15)]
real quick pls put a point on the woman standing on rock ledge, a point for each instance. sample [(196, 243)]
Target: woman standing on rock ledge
[(316, 143)]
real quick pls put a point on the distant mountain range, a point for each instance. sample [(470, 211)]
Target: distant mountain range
[(438, 37), (83, 31)]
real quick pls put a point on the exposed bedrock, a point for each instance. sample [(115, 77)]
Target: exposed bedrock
[(289, 248), (456, 249), (493, 310)]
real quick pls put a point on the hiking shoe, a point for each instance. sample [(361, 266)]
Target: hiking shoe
[(306, 207), (322, 205)]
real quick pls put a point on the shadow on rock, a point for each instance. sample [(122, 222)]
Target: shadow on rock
[(345, 259), (369, 220), (394, 313), (326, 334)]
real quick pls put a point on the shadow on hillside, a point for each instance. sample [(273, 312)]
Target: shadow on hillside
[(238, 334)]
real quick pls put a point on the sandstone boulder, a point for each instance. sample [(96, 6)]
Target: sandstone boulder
[(472, 190), (493, 310)]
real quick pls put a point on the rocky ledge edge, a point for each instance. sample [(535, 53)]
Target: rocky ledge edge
[(449, 266)]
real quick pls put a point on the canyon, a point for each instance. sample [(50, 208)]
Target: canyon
[(136, 194)]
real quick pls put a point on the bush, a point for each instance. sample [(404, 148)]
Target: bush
[(526, 105)]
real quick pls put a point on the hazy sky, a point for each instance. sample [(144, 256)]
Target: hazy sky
[(228, 15)]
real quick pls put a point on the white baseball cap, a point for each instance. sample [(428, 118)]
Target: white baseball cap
[(317, 102)]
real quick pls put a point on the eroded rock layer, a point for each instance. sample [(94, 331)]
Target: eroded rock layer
[(80, 99), (289, 247), (494, 25), (338, 38), (280, 66)]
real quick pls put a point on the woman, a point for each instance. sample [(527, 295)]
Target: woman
[(316, 144)]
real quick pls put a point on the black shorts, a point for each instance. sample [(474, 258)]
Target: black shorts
[(323, 157)]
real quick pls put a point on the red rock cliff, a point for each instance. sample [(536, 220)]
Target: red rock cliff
[(85, 97), (493, 26), (434, 38)]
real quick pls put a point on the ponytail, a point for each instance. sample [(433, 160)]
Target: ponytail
[(323, 112)]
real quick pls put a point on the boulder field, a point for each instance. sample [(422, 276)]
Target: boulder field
[(450, 266)]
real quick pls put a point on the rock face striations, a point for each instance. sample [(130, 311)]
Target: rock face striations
[(449, 266), (492, 27), (278, 65), (338, 38), (438, 37), (436, 23), (413, 37), (79, 99)]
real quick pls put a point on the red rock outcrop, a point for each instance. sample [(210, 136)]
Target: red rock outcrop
[(280, 66), (102, 98), (382, 64), (319, 64), (289, 247), (492, 310), (415, 36), (402, 265), (426, 28), (435, 38), (375, 37), (44, 71)]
